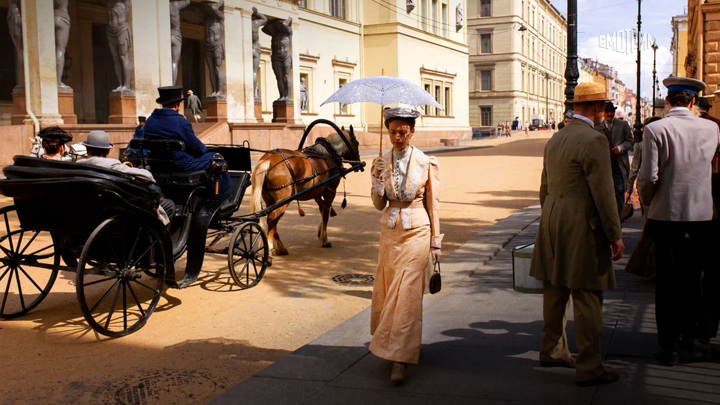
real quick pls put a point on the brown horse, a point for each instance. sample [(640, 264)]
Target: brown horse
[(283, 173)]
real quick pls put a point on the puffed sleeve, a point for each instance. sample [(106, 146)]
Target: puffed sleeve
[(377, 193), (432, 201)]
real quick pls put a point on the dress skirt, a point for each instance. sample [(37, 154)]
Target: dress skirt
[(396, 317)]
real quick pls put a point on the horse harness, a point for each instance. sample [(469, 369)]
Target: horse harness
[(310, 153)]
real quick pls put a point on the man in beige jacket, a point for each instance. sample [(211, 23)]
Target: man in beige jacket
[(578, 237)]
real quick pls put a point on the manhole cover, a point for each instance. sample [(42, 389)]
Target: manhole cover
[(363, 280), (166, 387)]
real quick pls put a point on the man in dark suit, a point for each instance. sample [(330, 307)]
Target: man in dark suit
[(621, 141), (166, 123)]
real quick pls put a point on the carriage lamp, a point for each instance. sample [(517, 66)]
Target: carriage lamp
[(218, 167)]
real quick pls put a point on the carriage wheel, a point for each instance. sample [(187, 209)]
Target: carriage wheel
[(28, 265), (248, 255), (116, 294)]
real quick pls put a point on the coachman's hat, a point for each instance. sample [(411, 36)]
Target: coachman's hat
[(686, 84), (169, 94), (591, 91), (98, 140)]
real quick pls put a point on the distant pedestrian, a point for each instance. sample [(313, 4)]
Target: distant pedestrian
[(675, 181), (507, 129), (515, 124), (566, 119), (620, 141), (406, 185), (578, 238), (195, 106), (526, 127)]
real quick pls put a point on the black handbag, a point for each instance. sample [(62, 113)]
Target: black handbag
[(435, 279)]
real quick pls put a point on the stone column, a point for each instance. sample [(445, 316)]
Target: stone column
[(238, 65), (41, 60), (150, 22), (295, 88)]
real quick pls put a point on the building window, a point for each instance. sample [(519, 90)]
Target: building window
[(337, 8), (433, 13), (423, 14), (444, 20), (438, 99), (485, 8), (344, 109), (486, 80), (485, 43), (302, 3), (447, 100), (427, 108), (486, 116)]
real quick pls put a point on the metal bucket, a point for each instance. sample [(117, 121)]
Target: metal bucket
[(522, 280)]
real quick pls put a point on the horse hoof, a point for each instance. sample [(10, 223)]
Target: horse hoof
[(327, 245), (283, 252)]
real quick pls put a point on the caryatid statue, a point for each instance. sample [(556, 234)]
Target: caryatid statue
[(258, 20), (175, 34), (304, 95), (62, 34), (214, 18), (120, 41), (458, 17), (281, 56), (14, 20)]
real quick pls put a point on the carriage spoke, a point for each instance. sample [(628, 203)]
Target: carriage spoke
[(9, 234), (30, 241), (124, 306), (31, 280), (113, 252), (132, 250), (143, 284), (99, 281), (22, 298), (254, 269), (40, 250), (143, 255), (5, 250), (112, 309), (7, 289), (19, 242), (132, 292), (6, 271), (104, 296)]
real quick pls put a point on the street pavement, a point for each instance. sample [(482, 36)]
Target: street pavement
[(480, 344)]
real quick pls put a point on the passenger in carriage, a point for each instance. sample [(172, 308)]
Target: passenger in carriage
[(98, 147), (167, 123), (53, 145)]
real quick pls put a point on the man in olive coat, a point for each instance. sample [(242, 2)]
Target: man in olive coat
[(578, 237)]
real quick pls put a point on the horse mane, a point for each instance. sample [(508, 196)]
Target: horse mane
[(337, 143)]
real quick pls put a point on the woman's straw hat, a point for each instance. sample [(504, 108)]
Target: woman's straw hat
[(586, 92)]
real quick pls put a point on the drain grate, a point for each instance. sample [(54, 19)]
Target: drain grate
[(166, 387), (362, 280)]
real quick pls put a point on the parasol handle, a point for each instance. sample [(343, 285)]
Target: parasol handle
[(381, 127)]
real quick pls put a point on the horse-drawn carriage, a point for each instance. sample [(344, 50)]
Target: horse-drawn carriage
[(105, 226)]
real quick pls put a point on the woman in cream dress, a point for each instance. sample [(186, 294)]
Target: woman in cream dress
[(405, 183)]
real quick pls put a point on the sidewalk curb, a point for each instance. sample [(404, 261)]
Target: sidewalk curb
[(301, 374)]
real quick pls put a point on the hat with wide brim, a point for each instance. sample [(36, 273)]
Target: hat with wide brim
[(98, 140), (170, 94), (588, 92), (400, 112), (55, 133), (686, 84)]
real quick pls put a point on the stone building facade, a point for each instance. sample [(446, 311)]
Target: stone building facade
[(332, 43), (679, 43), (703, 43), (517, 61)]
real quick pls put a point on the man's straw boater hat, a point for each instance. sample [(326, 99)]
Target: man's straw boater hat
[(587, 92)]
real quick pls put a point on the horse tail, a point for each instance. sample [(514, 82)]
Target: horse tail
[(258, 181)]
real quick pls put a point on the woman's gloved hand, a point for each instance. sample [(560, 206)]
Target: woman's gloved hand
[(378, 166), (435, 254)]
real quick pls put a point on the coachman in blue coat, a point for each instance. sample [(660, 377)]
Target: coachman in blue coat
[(168, 124)]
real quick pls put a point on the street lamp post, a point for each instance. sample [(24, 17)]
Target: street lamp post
[(547, 96), (522, 31), (638, 122), (654, 48), (571, 68)]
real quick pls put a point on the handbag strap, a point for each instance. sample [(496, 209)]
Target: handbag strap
[(436, 266)]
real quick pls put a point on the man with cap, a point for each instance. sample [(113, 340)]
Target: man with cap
[(711, 280), (578, 238), (166, 123), (675, 181), (566, 119), (194, 104), (98, 147), (620, 139)]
